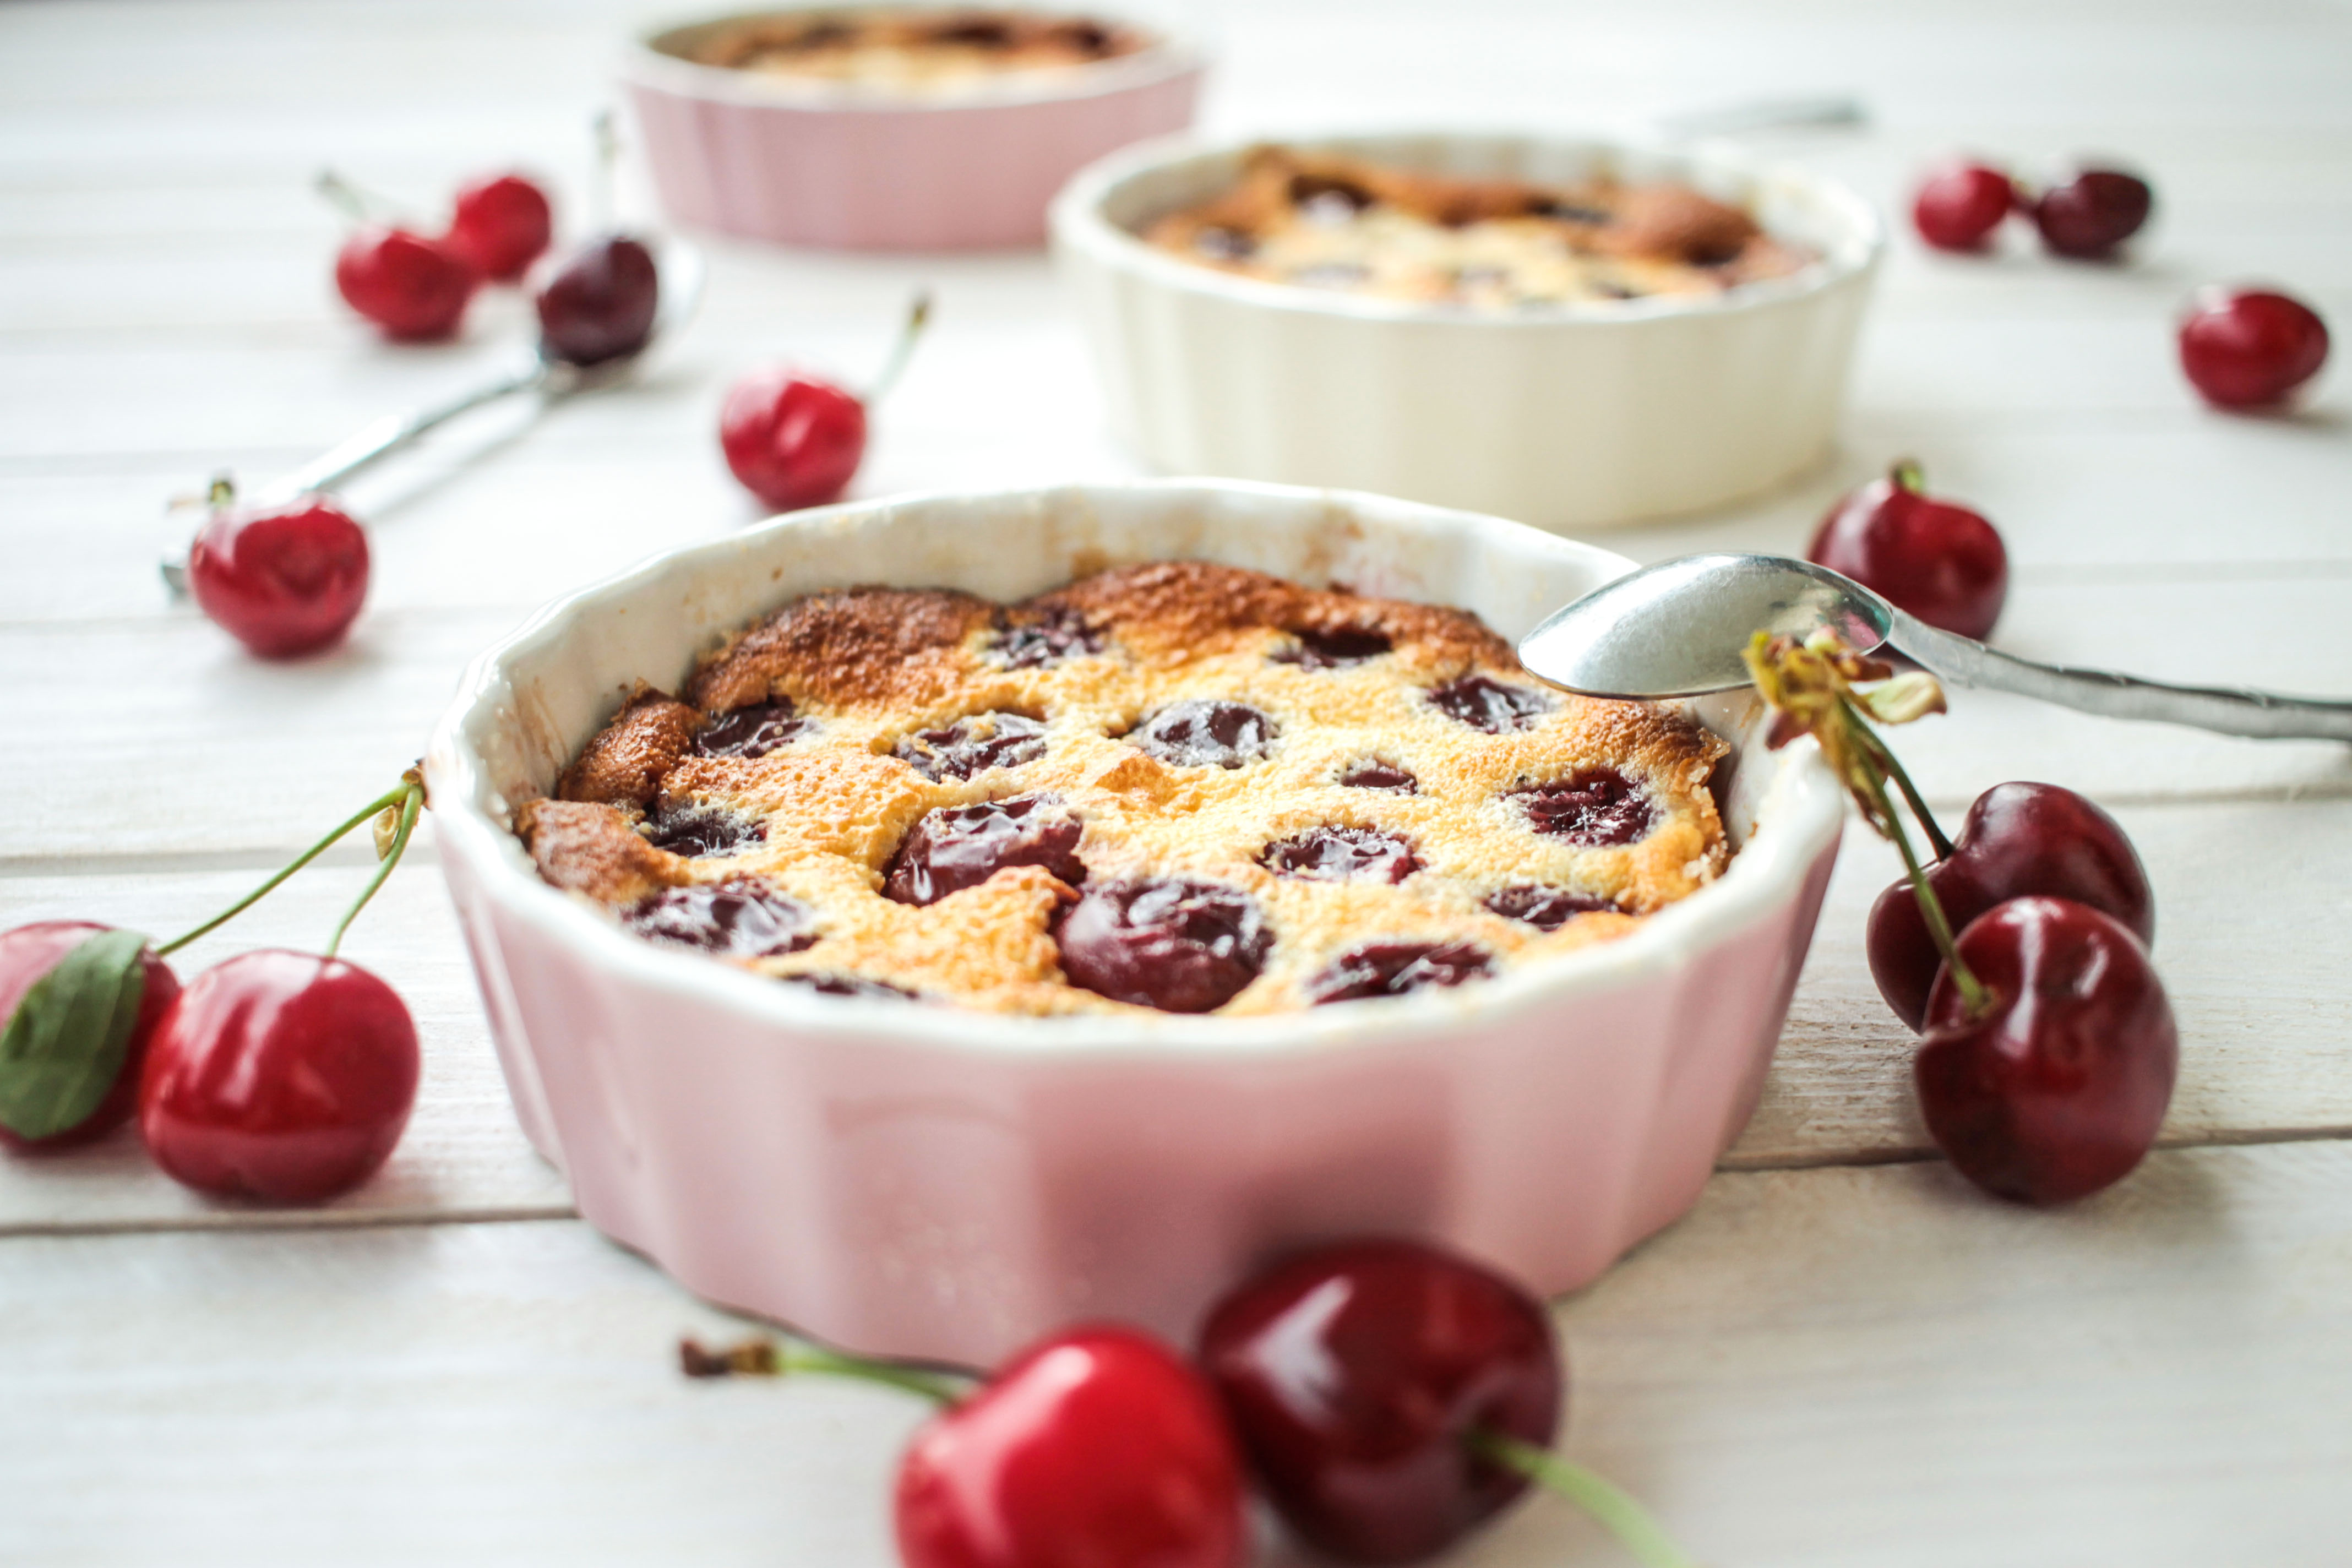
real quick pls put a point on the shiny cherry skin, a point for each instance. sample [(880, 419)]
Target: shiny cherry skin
[(2089, 216), (1941, 561), (501, 223), (2247, 348), (2058, 1087), (2018, 838), (1959, 206), (600, 305), (1098, 1447), (282, 1075), (283, 580), (413, 289), (792, 440), (30, 951), (1355, 1376)]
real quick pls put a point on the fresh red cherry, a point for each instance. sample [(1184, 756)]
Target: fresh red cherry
[(501, 225), (2057, 1088), (793, 439), (1939, 561), (28, 954), (282, 580), (2243, 348), (1959, 206), (1098, 1447), (2089, 216), (600, 306), (279, 1074), (2018, 838), (1359, 1377), (413, 289)]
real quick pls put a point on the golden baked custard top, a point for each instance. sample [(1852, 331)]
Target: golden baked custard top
[(912, 48), (1357, 227), (1180, 786)]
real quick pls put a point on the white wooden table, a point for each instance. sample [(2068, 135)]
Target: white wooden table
[(1844, 1355)]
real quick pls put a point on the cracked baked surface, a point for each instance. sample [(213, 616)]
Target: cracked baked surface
[(1343, 224), (1180, 786), (913, 48)]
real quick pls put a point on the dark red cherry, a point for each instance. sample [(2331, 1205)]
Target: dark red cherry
[(2090, 215), (742, 917), (2245, 348), (961, 846), (282, 580), (2018, 838), (413, 289), (1942, 562), (1596, 806), (600, 305), (1342, 855), (1374, 773), (1097, 1447), (1205, 733), (1356, 1377), (2058, 1087), (972, 745), (852, 985), (1335, 650), (793, 439), (700, 829), (1170, 942), (751, 732), (501, 225), (1546, 909), (1396, 968), (1485, 703), (27, 954), (1959, 206), (1057, 633), (278, 1075)]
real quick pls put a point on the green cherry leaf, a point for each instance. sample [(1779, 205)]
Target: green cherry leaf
[(64, 1045)]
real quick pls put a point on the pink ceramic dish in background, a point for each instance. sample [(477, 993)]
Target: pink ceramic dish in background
[(859, 167), (931, 1182)]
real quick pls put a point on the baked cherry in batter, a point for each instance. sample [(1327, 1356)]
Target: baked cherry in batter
[(1546, 909), (1372, 774), (961, 846), (1396, 968), (700, 829), (1334, 650), (2058, 1086), (972, 745), (1342, 855), (1056, 634), (1205, 733), (1485, 703), (742, 917), (1599, 808), (751, 732), (1171, 942), (2018, 838)]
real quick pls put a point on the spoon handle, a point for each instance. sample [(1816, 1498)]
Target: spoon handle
[(395, 431), (2233, 711)]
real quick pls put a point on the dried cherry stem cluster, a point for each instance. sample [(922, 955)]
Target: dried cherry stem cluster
[(1823, 689), (394, 813)]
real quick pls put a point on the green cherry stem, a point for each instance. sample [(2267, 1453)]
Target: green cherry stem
[(918, 315), (766, 1358), (1931, 909), (1895, 770), (411, 801), (1624, 1518), (375, 807)]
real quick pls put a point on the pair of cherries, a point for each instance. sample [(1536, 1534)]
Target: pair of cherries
[(415, 286), (277, 1075), (2087, 216), (1385, 1395)]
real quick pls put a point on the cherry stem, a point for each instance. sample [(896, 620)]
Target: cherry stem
[(1895, 770), (375, 807), (605, 202), (1931, 909), (918, 315), (411, 803), (354, 201), (1909, 475), (766, 1358), (1624, 1518)]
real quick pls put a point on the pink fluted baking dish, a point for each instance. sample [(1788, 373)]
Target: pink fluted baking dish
[(847, 166), (930, 1181)]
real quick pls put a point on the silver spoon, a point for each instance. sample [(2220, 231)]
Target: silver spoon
[(1678, 628), (680, 269)]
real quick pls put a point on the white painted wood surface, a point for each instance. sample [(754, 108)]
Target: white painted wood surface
[(1843, 1355)]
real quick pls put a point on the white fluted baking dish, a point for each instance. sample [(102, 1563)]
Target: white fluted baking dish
[(1568, 416)]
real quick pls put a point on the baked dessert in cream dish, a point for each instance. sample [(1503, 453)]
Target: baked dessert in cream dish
[(913, 50), (1330, 221), (1180, 787)]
